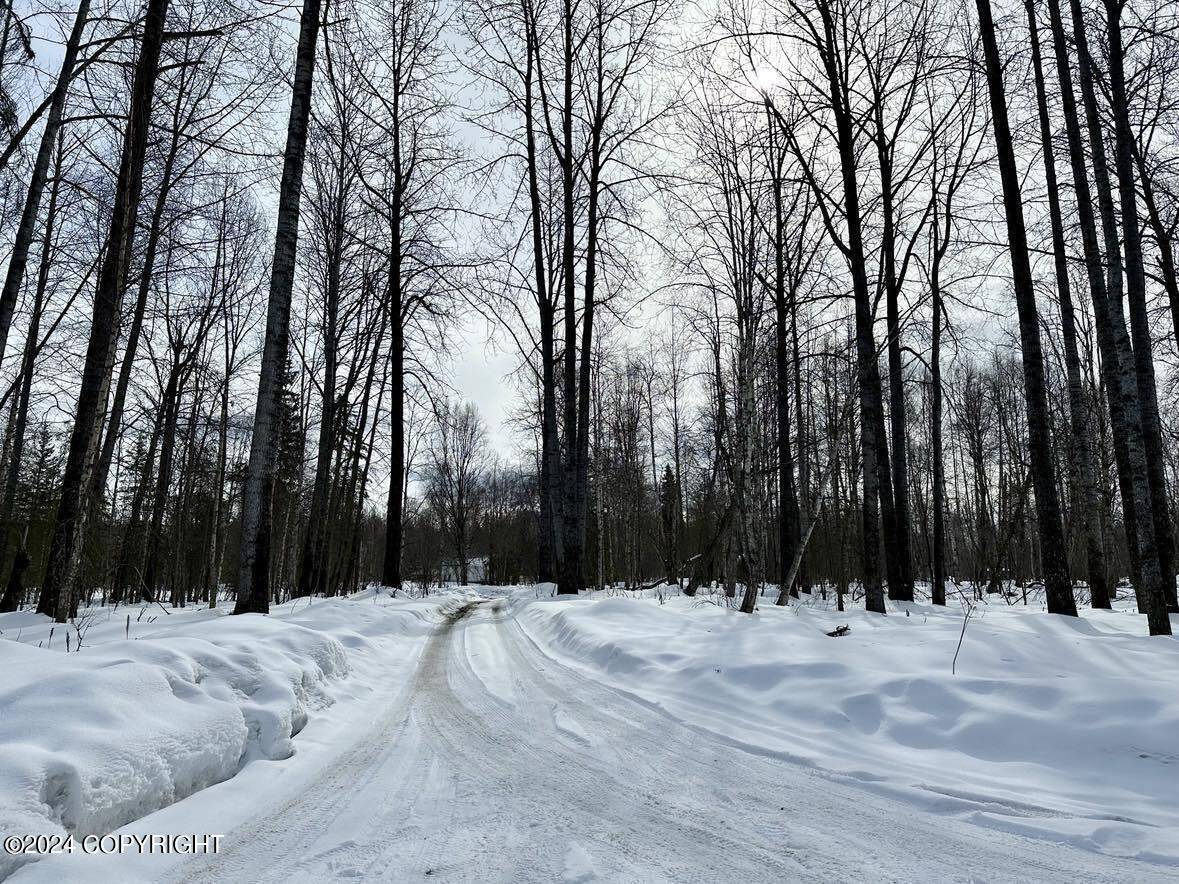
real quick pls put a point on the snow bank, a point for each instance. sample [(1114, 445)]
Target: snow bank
[(158, 705), (1059, 727)]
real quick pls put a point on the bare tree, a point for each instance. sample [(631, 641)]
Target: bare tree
[(253, 588), (1057, 584), (458, 464), (57, 594)]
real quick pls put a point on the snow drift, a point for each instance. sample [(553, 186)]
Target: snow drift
[(1057, 727), (93, 739)]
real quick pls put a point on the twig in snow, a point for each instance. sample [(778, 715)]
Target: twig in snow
[(965, 620)]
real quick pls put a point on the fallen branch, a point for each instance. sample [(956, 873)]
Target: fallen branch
[(965, 620)]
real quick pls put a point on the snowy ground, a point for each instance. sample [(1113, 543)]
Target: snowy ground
[(161, 703), (1060, 728), (525, 738)]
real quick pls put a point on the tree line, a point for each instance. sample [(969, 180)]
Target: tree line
[(874, 299)]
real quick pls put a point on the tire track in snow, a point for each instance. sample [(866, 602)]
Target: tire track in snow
[(568, 779)]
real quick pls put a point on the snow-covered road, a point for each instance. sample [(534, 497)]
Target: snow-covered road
[(496, 763)]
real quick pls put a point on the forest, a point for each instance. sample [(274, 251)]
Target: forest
[(860, 300)]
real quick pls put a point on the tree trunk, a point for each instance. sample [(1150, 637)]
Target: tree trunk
[(1148, 403), (938, 552), (581, 492), (569, 581), (802, 492), (217, 551), (788, 509), (170, 406), (900, 586), (871, 418), (312, 562), (391, 569), (14, 588), (253, 589), (1084, 472), (549, 536), (131, 549), (1117, 367), (1056, 580), (57, 594)]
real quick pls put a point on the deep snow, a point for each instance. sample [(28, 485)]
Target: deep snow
[(159, 704), (598, 738), (1056, 727)]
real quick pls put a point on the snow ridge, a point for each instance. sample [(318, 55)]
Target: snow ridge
[(94, 739), (1055, 726)]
